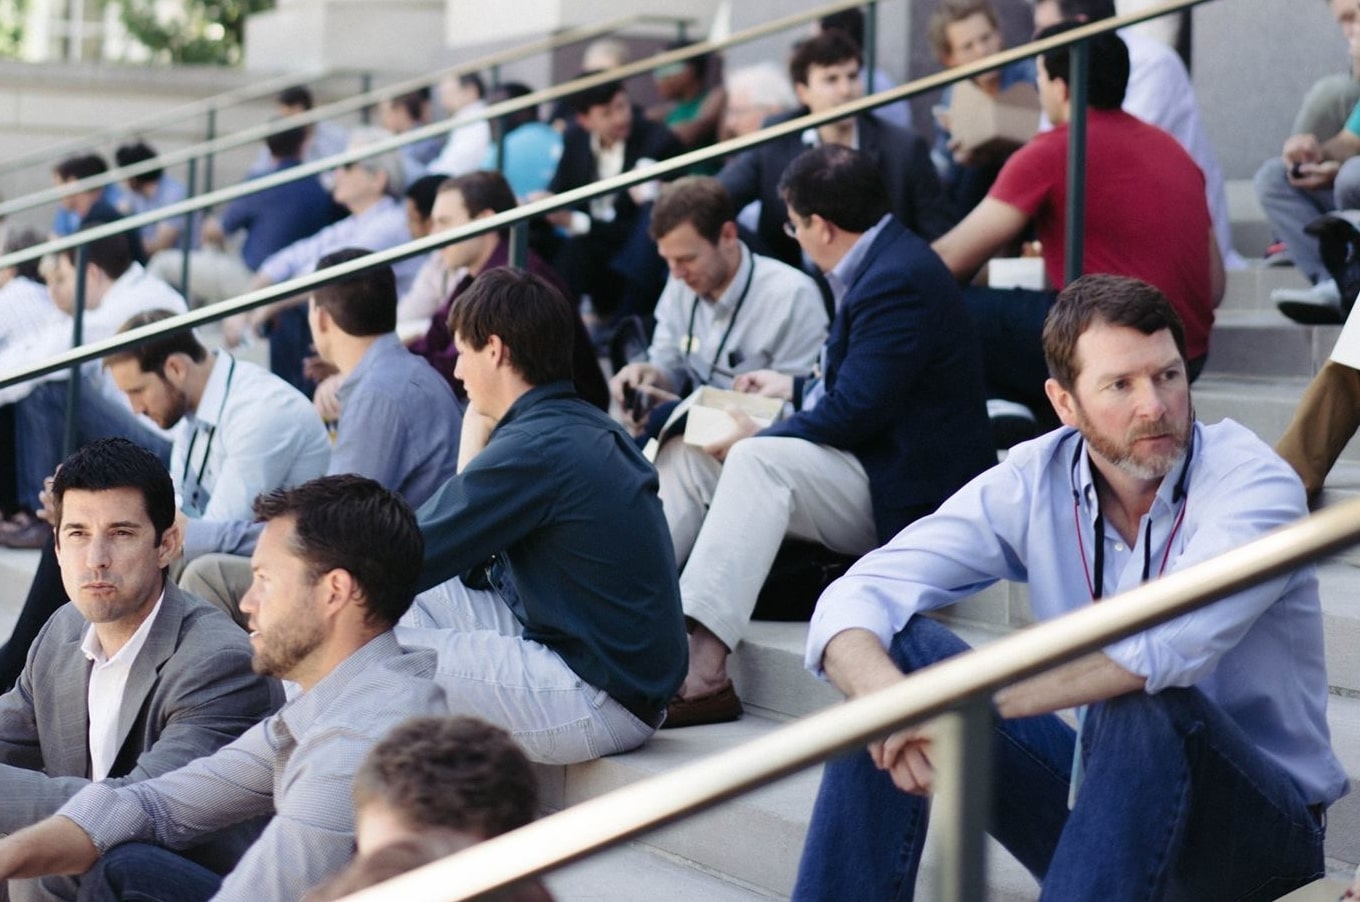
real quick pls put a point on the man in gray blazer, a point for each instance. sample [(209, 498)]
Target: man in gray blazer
[(133, 678)]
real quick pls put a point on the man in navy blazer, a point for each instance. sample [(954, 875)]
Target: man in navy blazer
[(825, 73), (133, 678), (892, 424)]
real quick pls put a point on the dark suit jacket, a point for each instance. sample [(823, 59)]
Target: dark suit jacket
[(190, 691), (904, 390), (647, 140), (914, 190)]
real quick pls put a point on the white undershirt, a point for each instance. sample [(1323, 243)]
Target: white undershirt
[(104, 698)]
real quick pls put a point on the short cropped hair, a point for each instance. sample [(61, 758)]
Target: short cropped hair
[(116, 463), (1108, 74), (850, 22), (296, 96), (829, 48), (458, 773), (414, 102), (111, 255), (138, 152), (513, 90), (474, 81), (287, 144), (422, 193), (151, 355), (699, 200), (388, 163), (21, 239), (361, 304), (352, 523), (1112, 300), (407, 854), (82, 166), (841, 185), (482, 190), (949, 12), (1090, 10), (584, 100), (528, 314)]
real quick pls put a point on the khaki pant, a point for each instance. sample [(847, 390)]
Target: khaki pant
[(1327, 416)]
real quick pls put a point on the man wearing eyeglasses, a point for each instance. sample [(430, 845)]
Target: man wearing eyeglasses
[(1202, 765), (889, 424)]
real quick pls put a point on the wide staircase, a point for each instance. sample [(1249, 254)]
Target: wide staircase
[(749, 848)]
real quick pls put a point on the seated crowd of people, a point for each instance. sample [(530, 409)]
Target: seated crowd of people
[(296, 629)]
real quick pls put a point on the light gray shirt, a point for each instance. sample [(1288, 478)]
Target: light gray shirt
[(296, 765), (770, 317)]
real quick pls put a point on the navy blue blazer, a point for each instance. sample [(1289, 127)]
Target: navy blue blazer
[(904, 387), (914, 191)]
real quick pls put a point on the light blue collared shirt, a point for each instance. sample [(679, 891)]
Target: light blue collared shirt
[(378, 228), (1258, 654)]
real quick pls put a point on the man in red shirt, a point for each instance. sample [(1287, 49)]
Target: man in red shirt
[(1145, 217)]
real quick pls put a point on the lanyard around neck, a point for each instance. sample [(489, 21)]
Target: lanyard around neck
[(731, 323)]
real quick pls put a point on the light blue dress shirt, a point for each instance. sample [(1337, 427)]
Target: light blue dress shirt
[(378, 228), (1258, 654)]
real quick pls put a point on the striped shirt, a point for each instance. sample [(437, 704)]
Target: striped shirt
[(296, 765)]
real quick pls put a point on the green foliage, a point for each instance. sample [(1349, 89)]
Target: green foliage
[(195, 31), (11, 27)]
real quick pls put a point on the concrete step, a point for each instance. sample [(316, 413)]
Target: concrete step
[(771, 823), (1249, 289), (1251, 230), (16, 572), (636, 873), (1266, 344)]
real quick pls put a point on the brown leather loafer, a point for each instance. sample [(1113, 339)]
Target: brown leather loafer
[(719, 706)]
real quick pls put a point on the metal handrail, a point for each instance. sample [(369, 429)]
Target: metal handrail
[(332, 110), (617, 816), (434, 129), (524, 212), (181, 113)]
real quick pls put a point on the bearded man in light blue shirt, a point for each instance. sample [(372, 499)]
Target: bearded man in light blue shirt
[(1205, 764)]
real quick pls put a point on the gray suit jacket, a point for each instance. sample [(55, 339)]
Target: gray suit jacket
[(190, 691)]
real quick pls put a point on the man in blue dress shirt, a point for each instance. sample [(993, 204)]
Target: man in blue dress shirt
[(1204, 745)]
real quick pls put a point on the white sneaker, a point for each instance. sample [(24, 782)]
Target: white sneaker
[(1324, 292)]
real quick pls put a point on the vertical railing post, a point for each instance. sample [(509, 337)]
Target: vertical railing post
[(186, 240), (495, 77), (870, 45), (208, 160), (82, 257), (365, 85), (519, 244), (1076, 162), (962, 800), (682, 31)]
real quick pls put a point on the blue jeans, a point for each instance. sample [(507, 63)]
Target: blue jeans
[(139, 872), (1176, 804), (40, 430)]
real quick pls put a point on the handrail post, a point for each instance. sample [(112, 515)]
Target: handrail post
[(495, 77), (186, 240), (365, 86), (1076, 162), (962, 800), (519, 245), (208, 160), (77, 339), (681, 30), (870, 48)]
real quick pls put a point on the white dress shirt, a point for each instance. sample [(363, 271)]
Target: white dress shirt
[(104, 695)]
